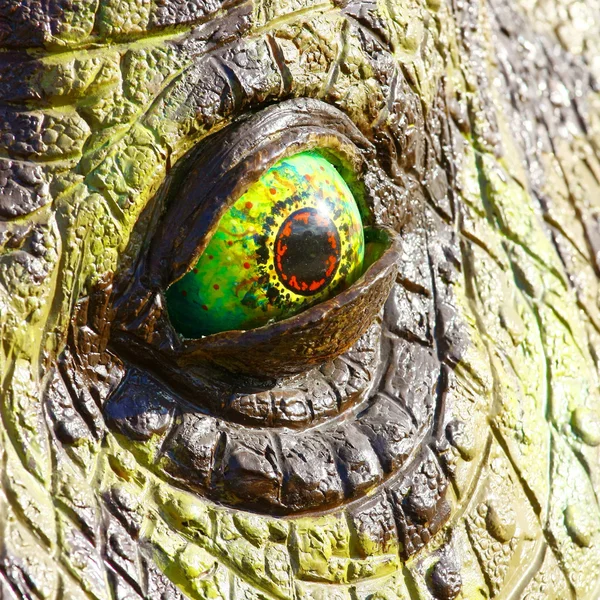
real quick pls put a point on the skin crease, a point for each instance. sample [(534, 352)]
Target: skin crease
[(479, 128)]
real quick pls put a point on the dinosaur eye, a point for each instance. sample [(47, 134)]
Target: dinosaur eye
[(294, 239), (268, 258)]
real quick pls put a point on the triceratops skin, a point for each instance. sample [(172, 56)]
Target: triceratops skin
[(452, 452)]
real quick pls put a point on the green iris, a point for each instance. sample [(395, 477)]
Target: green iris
[(294, 239)]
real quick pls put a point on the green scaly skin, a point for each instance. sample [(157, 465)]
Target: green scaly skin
[(111, 95)]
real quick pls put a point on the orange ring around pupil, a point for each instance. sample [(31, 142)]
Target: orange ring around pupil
[(307, 251)]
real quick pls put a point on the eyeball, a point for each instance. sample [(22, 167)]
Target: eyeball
[(294, 239)]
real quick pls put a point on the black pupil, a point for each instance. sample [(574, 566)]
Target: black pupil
[(307, 251)]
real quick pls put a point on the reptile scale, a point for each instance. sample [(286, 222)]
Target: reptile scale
[(299, 300)]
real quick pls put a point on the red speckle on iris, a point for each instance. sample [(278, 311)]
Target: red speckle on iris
[(246, 265), (301, 216), (210, 257), (273, 191), (332, 263), (230, 243), (249, 205), (315, 285), (195, 270), (331, 239), (184, 293), (204, 307), (216, 286)]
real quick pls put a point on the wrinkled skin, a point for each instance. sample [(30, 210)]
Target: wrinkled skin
[(452, 452)]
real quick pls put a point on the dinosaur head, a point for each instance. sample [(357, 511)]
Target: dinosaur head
[(407, 404)]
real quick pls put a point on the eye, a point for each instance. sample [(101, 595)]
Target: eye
[(294, 239), (267, 259)]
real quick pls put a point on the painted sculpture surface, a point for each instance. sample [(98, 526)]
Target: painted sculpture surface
[(387, 385)]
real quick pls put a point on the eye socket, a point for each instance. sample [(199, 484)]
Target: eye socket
[(200, 194), (294, 239)]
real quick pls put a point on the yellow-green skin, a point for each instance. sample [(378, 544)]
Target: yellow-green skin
[(109, 97), (235, 283)]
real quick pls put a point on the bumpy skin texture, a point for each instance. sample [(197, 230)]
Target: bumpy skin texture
[(453, 452)]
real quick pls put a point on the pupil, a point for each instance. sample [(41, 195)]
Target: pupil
[(307, 251)]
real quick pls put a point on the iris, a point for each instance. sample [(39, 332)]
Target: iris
[(294, 239)]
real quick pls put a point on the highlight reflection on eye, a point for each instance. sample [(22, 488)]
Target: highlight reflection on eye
[(294, 239)]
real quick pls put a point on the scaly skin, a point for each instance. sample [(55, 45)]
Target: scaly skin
[(485, 124)]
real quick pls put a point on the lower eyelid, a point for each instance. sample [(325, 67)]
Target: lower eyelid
[(280, 470)]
